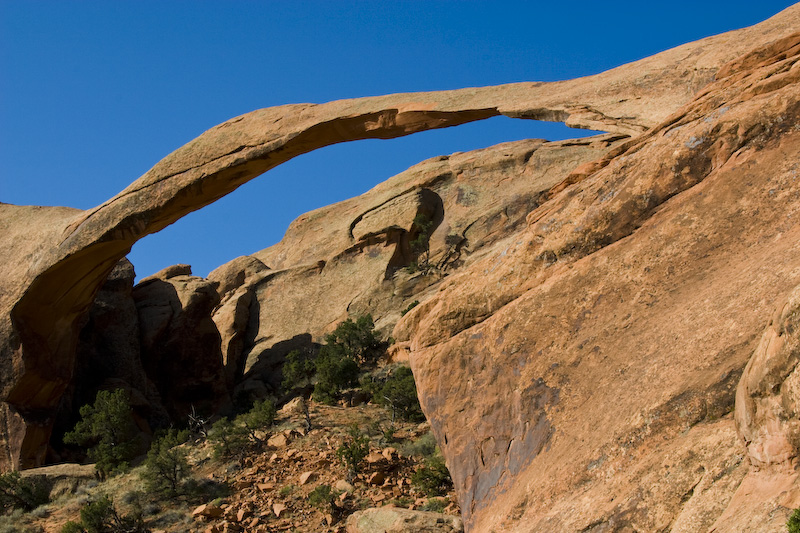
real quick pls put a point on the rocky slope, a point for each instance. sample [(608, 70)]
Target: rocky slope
[(603, 298), (278, 485)]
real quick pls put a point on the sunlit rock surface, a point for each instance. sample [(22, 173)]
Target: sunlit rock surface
[(602, 341)]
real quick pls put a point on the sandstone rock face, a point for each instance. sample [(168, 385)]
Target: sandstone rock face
[(235, 282), (353, 257), (590, 315), (180, 344), (766, 399), (607, 339), (109, 356)]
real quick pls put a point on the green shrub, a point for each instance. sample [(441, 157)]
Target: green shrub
[(298, 370), (435, 505), (260, 417), (411, 306), (108, 430), (72, 527), (433, 478), (335, 371), (166, 465), (232, 437), (100, 516), (357, 339), (793, 524), (322, 497), (354, 450), (17, 492), (227, 438), (424, 447), (398, 392)]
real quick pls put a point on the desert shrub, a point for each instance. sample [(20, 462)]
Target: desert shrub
[(357, 339), (402, 501), (100, 516), (227, 438), (337, 365), (17, 492), (398, 392), (433, 478), (424, 447), (422, 227), (108, 431), (793, 524), (17, 522), (166, 465), (411, 306), (298, 370), (72, 527), (322, 497), (231, 437), (260, 417), (435, 505), (41, 512), (335, 371), (354, 450)]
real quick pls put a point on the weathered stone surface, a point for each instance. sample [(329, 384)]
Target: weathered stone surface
[(396, 520), (180, 344), (767, 401), (361, 267), (109, 357), (603, 333), (235, 281), (606, 340)]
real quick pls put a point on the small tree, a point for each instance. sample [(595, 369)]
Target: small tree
[(793, 524), (227, 438), (166, 465), (100, 516), (298, 370), (420, 245), (399, 393), (108, 430), (335, 371), (337, 364), (231, 437), (17, 492), (354, 450), (433, 478), (261, 416), (357, 339)]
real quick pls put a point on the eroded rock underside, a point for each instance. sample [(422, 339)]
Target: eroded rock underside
[(607, 330)]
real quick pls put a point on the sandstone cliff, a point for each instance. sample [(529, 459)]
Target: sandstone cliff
[(590, 346)]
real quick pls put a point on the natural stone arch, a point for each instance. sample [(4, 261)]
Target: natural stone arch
[(58, 257)]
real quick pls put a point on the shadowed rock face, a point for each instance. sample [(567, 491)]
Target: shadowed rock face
[(604, 332)]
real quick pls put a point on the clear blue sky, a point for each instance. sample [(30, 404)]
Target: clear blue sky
[(94, 93)]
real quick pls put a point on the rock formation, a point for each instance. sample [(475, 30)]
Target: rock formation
[(608, 338), (580, 342)]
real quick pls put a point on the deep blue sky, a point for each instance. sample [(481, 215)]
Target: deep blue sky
[(94, 93)]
